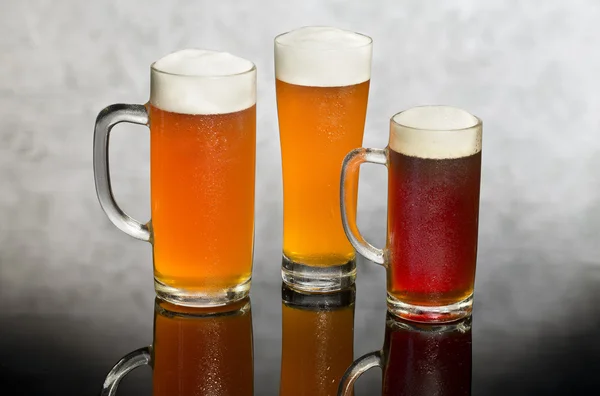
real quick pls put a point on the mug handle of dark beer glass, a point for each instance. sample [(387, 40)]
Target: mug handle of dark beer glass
[(348, 183), (128, 363), (106, 120), (356, 369)]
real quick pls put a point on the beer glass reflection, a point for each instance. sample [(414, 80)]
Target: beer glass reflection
[(434, 167), (419, 360), (317, 346), (322, 83), (202, 119), (196, 351)]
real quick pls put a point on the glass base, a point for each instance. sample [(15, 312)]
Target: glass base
[(426, 314), (201, 298), (313, 279)]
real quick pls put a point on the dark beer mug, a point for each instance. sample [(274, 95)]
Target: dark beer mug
[(196, 351), (434, 172), (419, 359)]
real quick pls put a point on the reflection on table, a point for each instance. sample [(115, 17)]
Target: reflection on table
[(419, 359), (317, 344), (203, 351), (426, 360)]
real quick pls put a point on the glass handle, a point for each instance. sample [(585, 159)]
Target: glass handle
[(129, 362), (348, 183), (106, 120), (356, 369)]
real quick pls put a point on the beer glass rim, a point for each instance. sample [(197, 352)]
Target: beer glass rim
[(157, 70), (477, 121), (277, 42)]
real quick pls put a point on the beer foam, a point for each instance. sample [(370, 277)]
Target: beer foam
[(437, 132), (193, 81), (323, 57)]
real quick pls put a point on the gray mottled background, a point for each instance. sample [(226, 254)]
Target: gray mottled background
[(73, 287)]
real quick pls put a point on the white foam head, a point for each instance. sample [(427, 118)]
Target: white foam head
[(193, 81), (323, 57), (437, 132)]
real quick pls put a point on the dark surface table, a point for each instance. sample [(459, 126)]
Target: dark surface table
[(532, 333)]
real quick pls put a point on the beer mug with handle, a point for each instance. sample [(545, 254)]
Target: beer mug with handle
[(202, 120), (434, 166)]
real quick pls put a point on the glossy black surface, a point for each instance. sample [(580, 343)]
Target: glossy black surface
[(529, 337)]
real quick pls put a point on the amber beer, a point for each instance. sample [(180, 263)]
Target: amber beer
[(202, 120), (322, 83), (202, 186), (200, 352), (202, 160), (318, 336)]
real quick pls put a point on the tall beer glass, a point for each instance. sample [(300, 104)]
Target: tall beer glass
[(317, 341), (322, 82), (202, 119), (195, 351), (434, 167), (419, 360)]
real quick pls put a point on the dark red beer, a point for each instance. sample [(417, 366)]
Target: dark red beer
[(432, 228), (426, 360)]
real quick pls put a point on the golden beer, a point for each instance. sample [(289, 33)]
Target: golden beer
[(318, 126), (322, 83)]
